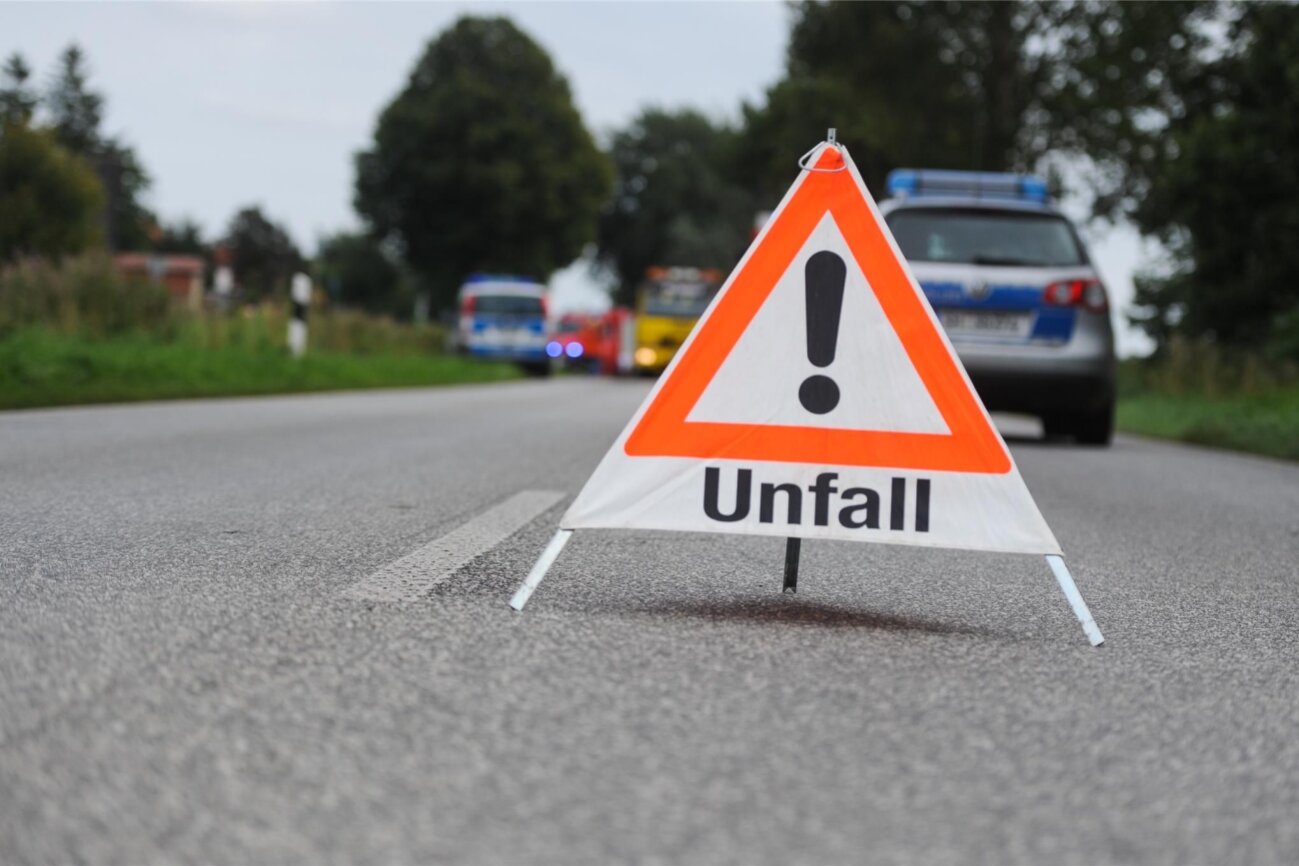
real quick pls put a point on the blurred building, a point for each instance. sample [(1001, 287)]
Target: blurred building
[(182, 276)]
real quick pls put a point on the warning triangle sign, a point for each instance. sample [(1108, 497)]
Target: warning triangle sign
[(818, 397)]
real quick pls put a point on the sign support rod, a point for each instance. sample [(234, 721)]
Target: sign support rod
[(1076, 602), (792, 547), (543, 564)]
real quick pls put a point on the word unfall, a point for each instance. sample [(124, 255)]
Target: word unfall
[(853, 507)]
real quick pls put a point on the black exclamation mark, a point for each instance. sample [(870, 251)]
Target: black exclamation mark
[(824, 278)]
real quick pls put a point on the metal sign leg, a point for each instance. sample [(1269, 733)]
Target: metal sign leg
[(792, 547), (539, 569), (1076, 602)]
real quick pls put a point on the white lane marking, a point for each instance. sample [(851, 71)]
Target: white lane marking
[(417, 572)]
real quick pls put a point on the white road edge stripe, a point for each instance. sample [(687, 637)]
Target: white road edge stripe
[(417, 572)]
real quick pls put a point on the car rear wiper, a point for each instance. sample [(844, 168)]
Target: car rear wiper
[(1004, 260)]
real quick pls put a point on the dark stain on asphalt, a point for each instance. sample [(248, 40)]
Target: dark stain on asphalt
[(786, 611)]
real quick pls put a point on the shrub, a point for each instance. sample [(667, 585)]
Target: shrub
[(50, 200), (86, 297), (1203, 368), (82, 295)]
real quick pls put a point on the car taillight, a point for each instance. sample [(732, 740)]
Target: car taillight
[(1094, 297), (1088, 294), (467, 305)]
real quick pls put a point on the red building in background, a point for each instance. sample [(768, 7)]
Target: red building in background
[(181, 275)]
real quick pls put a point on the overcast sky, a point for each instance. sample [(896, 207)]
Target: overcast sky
[(237, 104)]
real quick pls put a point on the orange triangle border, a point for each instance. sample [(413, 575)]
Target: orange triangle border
[(972, 443)]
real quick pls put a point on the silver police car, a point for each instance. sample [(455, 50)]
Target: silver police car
[(1012, 284)]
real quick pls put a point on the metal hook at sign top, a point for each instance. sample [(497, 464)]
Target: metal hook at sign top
[(831, 138)]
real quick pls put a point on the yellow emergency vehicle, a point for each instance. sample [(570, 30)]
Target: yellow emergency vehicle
[(668, 303)]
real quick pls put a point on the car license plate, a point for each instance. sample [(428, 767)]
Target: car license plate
[(985, 323), (505, 337)]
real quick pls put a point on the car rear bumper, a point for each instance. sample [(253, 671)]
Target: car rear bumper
[(1042, 378), (1037, 385), (498, 353)]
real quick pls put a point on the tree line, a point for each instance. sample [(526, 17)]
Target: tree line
[(67, 186), (1178, 117)]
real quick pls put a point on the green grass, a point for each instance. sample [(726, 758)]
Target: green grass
[(1262, 423), (42, 368)]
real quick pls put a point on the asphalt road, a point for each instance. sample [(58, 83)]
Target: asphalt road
[(186, 674)]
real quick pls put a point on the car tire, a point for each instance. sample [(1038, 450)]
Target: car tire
[(1095, 427), (1056, 426), (538, 370)]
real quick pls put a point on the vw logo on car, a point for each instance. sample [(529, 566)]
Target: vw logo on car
[(978, 290)]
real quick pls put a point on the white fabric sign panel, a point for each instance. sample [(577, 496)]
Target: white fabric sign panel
[(901, 452)]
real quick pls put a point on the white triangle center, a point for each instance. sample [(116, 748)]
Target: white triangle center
[(879, 388)]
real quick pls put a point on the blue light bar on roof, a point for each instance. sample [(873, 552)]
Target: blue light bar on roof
[(498, 278), (936, 183)]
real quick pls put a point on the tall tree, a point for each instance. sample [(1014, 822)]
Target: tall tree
[(263, 255), (76, 115), (49, 199), (125, 182), (1223, 195), (76, 111), (183, 236), (482, 161), (676, 200), (905, 83), (18, 99), (1121, 80), (358, 272)]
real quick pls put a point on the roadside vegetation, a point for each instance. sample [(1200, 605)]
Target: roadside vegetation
[(79, 333), (41, 368), (1203, 395), (76, 328)]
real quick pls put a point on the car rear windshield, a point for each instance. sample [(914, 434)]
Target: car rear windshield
[(983, 237), (513, 305)]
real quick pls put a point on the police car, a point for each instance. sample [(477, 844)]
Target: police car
[(504, 318), (1012, 284)]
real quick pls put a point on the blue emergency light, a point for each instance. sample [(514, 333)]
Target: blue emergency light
[(942, 183), (497, 278)]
